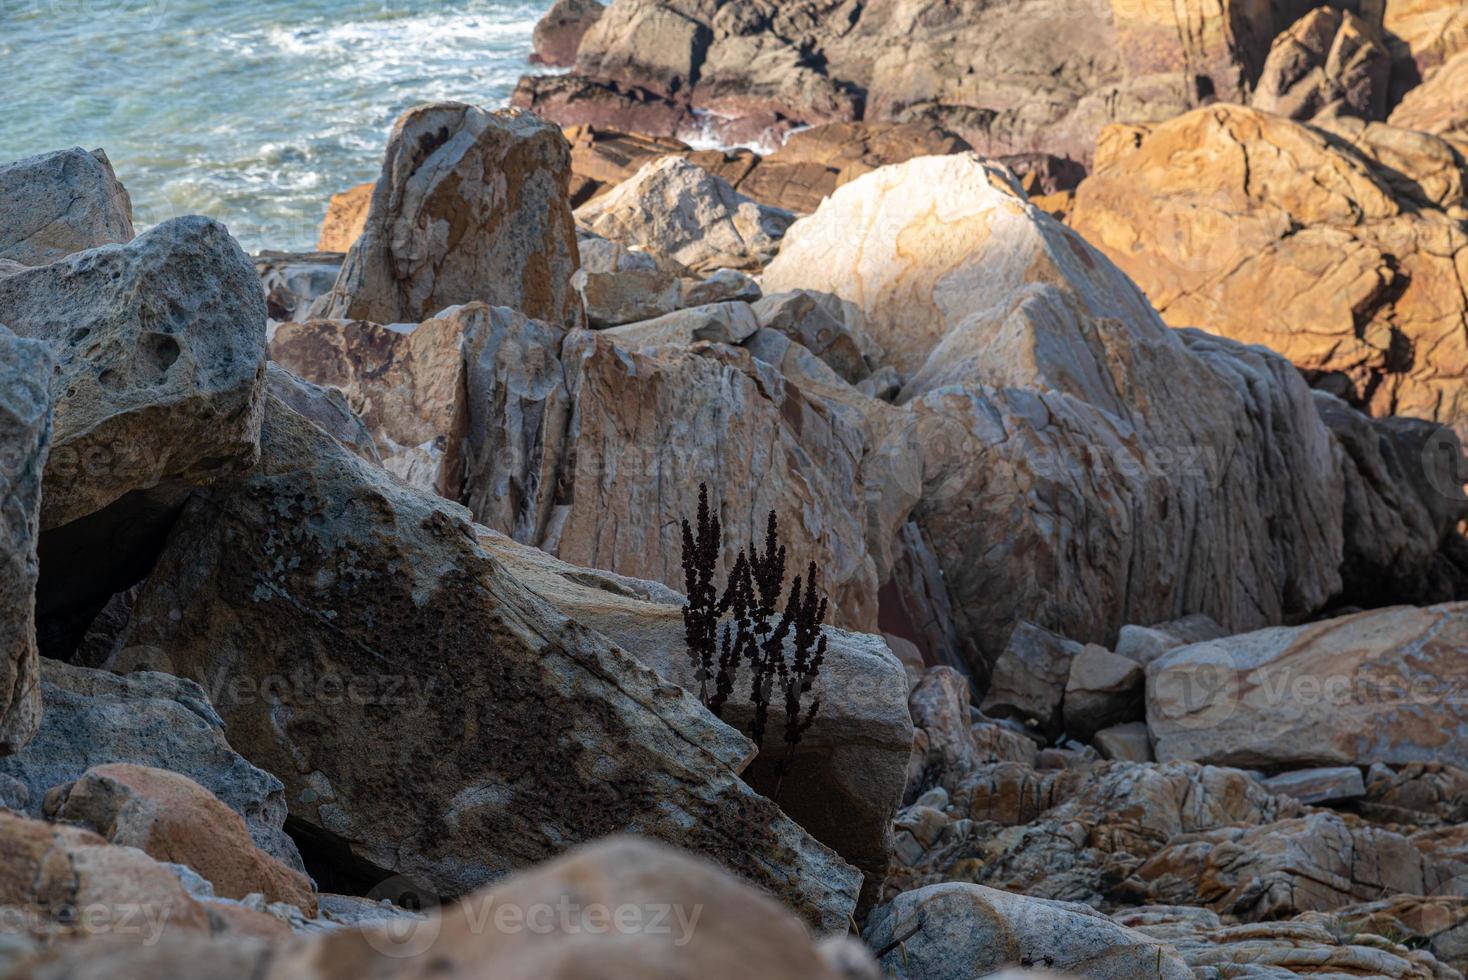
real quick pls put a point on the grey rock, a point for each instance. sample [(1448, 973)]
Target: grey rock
[(161, 351), (1145, 644), (1103, 689), (1324, 785), (724, 286), (324, 406), (25, 440), (1030, 677), (1124, 743), (720, 323), (294, 280), (54, 204), (803, 317)]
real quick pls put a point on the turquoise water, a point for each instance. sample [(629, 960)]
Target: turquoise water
[(251, 112)]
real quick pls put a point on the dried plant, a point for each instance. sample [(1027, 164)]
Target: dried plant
[(752, 633)]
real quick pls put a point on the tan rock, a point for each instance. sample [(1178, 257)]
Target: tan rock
[(346, 218), (1380, 686), (1439, 105), (1268, 231), (471, 205), (719, 323), (389, 609), (1426, 33), (175, 820)]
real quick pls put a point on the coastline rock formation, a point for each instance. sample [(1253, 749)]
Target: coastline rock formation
[(54, 204)]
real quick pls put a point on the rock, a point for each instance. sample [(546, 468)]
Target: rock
[(391, 618), (955, 748), (1029, 679), (961, 930), (848, 772), (815, 321), (1422, 794), (1285, 236), (25, 439), (1423, 34), (619, 286), (295, 280), (54, 204), (720, 323), (724, 286), (1402, 503), (1438, 105), (1145, 644), (1008, 330), (558, 34), (346, 219), (1103, 690), (680, 213), (175, 820), (844, 151), (161, 351), (1372, 687), (1127, 742), (471, 205), (94, 717), (603, 158), (1321, 861), (406, 385), (327, 407), (1319, 785), (1328, 61)]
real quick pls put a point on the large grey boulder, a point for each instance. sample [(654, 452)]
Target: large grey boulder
[(958, 930), (392, 633), (161, 351), (25, 439), (54, 204), (95, 717), (471, 205)]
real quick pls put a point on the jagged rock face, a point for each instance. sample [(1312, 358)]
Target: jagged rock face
[(1439, 105), (1045, 397), (54, 204), (161, 351), (1012, 77), (25, 440), (1268, 231), (173, 819), (1381, 686), (318, 569), (94, 717), (327, 407), (1327, 61), (558, 34), (1424, 34), (959, 930), (471, 205), (847, 774), (685, 216)]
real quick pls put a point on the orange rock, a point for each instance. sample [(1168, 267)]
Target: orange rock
[(346, 216)]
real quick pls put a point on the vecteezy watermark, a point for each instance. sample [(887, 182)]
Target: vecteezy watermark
[(143, 921), (416, 929)]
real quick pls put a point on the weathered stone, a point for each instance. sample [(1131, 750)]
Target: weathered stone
[(161, 351), (808, 318), (1280, 234), (1381, 686), (471, 205), (94, 717), (545, 734), (1103, 689), (1421, 794), (1439, 105), (54, 204), (720, 323), (619, 286), (847, 774), (682, 214), (962, 930), (1030, 676), (724, 286), (175, 820), (1124, 743), (1319, 785), (346, 219), (295, 280), (1145, 644), (1423, 34), (558, 34), (1328, 61), (25, 440), (327, 407)]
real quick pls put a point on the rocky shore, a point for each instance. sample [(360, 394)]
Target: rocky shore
[(1109, 362)]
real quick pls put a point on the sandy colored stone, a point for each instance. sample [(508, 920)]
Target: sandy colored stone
[(1440, 104), (346, 218)]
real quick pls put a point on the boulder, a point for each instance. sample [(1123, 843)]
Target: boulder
[(1145, 644), (686, 217), (1103, 690), (1282, 234), (94, 718), (327, 407), (173, 819), (1438, 105), (1319, 785), (558, 34), (818, 322), (619, 286), (406, 384), (1010, 331), (25, 439), (54, 204), (960, 930), (719, 323), (1380, 686), (346, 219), (723, 286), (1029, 679), (161, 351), (1329, 61), (295, 280), (1127, 742), (471, 205), (1422, 794), (389, 618)]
